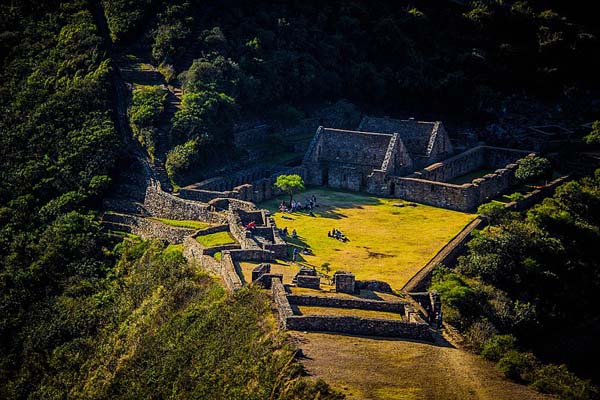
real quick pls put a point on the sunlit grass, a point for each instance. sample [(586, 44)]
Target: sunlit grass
[(387, 242), (216, 239)]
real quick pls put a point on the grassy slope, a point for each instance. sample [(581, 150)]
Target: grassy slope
[(393, 369), (386, 243)]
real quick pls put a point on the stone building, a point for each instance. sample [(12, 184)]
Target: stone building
[(361, 160), (409, 159)]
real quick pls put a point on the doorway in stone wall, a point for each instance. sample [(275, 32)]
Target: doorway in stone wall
[(325, 176), (392, 188), (363, 183)]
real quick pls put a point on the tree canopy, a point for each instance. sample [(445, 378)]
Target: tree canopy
[(290, 184)]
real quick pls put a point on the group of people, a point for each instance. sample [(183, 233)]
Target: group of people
[(284, 232), (337, 234), (294, 206)]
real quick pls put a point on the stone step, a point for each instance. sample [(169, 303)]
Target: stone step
[(119, 218), (115, 226)]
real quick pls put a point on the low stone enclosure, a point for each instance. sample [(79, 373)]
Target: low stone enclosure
[(410, 326)]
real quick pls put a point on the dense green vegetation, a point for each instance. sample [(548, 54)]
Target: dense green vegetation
[(82, 319), (78, 319), (277, 59), (146, 106), (535, 277)]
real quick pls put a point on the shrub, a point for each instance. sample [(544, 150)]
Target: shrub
[(557, 379), (494, 212), (146, 107), (480, 333), (518, 366), (531, 168), (594, 136), (180, 158), (495, 348)]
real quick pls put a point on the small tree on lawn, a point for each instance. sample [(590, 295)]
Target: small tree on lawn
[(531, 168), (290, 184)]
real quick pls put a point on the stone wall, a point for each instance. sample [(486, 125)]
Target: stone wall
[(340, 302), (165, 205), (146, 227), (446, 256), (205, 195), (307, 281), (360, 326), (193, 251), (465, 197), (469, 161), (252, 255), (256, 134), (228, 272), (438, 194), (212, 229), (378, 286), (282, 305)]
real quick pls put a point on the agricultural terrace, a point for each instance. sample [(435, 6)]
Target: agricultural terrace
[(387, 241)]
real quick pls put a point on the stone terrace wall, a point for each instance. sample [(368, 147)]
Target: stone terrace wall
[(360, 326), (162, 204), (438, 194), (252, 255), (284, 310), (149, 229), (446, 256), (192, 250), (205, 195), (228, 272), (470, 161), (146, 228), (339, 302)]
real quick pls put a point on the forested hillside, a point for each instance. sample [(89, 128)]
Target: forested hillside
[(275, 59), (528, 283), (82, 316)]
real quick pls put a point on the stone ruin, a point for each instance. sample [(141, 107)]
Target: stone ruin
[(408, 159), (344, 282), (307, 278)]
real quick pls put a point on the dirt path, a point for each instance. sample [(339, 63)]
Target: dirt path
[(392, 369)]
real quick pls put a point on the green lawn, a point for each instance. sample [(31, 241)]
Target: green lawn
[(387, 243), (343, 312), (216, 239), (190, 224)]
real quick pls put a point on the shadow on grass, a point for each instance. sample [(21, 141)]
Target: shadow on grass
[(439, 340)]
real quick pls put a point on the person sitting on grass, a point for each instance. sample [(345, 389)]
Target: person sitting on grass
[(294, 234)]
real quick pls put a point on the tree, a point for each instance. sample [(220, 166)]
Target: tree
[(531, 168), (494, 212), (594, 136), (290, 184)]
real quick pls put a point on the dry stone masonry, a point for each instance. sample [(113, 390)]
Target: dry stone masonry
[(408, 159)]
